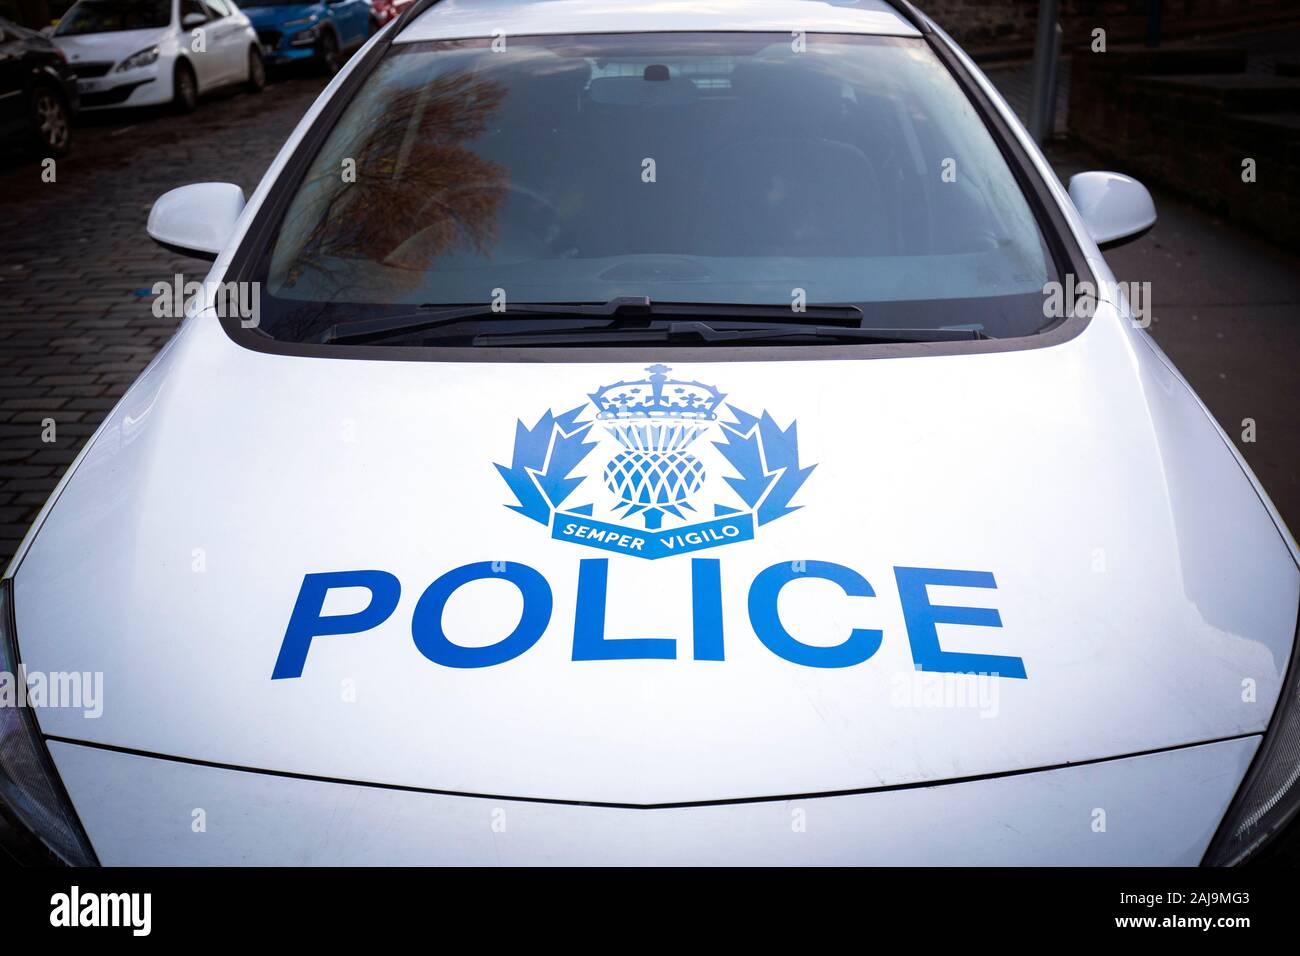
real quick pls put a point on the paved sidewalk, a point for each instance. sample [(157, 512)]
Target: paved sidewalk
[(1015, 81), (76, 271), (1226, 310)]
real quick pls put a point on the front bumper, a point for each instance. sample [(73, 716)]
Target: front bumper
[(278, 47), (290, 55), (1156, 809), (146, 86)]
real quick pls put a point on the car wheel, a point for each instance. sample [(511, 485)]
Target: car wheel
[(330, 58), (256, 71), (185, 89), (52, 120)]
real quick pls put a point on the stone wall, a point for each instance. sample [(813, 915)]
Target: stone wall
[(991, 24), (1188, 118)]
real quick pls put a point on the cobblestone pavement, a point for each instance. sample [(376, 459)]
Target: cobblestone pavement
[(76, 270), (76, 325), (1015, 81)]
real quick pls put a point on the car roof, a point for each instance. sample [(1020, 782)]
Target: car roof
[(461, 19)]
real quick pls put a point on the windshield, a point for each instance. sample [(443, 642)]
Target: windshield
[(112, 16), (708, 168)]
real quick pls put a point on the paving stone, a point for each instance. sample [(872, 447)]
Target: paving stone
[(74, 333)]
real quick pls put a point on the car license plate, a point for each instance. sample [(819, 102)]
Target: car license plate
[(90, 86)]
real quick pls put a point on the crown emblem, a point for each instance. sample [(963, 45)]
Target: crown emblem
[(657, 396)]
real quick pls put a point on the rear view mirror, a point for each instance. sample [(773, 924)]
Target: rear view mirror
[(196, 220), (192, 20), (1115, 208)]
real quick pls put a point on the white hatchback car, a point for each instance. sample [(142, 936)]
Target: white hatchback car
[(650, 432), (152, 52)]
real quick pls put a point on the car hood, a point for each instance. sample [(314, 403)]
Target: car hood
[(117, 45), (1082, 490)]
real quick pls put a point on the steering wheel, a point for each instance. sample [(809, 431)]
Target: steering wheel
[(529, 225)]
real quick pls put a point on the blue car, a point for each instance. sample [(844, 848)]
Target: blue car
[(292, 31)]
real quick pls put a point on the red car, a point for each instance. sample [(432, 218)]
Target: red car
[(385, 10)]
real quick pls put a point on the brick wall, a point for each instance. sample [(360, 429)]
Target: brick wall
[(1187, 118), (986, 24)]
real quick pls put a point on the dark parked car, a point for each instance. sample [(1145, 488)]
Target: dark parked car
[(38, 93)]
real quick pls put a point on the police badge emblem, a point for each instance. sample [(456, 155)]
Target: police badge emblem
[(657, 482)]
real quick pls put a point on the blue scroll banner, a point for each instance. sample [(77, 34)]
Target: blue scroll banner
[(641, 543)]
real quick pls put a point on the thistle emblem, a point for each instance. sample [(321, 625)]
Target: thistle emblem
[(658, 470), (655, 420)]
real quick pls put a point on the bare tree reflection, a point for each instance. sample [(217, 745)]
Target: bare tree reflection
[(420, 191)]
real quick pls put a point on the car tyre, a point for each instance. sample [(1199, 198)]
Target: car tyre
[(52, 122), (185, 88), (331, 59), (256, 71)]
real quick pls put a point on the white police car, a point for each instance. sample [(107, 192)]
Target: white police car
[(654, 442)]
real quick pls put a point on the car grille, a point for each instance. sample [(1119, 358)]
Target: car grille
[(269, 38), (83, 70)]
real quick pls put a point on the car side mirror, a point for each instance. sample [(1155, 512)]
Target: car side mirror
[(1115, 208), (196, 220), (192, 20)]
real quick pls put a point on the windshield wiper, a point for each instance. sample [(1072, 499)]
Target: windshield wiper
[(700, 331), (624, 307)]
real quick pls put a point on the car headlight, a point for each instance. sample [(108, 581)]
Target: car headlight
[(306, 37), (141, 58), (1269, 796), (33, 804), (304, 21)]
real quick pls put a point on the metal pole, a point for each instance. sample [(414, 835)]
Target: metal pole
[(1046, 63), (1155, 18), (1049, 122)]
